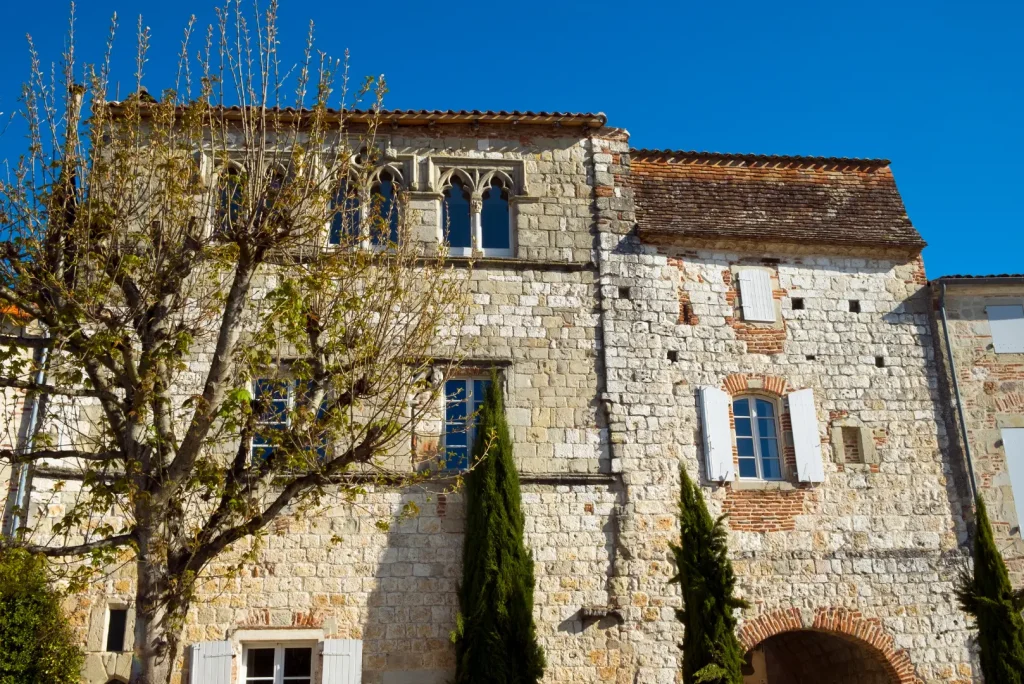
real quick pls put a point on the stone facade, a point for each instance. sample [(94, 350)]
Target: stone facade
[(605, 324), (991, 394)]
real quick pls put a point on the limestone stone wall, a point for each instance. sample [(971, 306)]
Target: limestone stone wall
[(603, 342), (992, 391)]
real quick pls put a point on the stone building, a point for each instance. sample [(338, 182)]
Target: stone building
[(980, 324), (762, 321)]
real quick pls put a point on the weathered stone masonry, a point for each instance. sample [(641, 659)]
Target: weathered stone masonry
[(620, 302)]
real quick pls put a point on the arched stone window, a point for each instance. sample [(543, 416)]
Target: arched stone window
[(384, 198), (456, 216), (229, 198), (495, 222), (756, 419), (345, 221)]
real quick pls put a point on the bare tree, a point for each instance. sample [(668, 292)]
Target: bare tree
[(242, 342)]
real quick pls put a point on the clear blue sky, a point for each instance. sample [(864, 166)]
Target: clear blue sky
[(938, 87)]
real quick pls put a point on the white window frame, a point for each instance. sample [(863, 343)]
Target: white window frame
[(470, 432), (752, 400), (279, 646)]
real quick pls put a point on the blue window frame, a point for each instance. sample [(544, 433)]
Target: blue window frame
[(494, 218), (455, 217), (277, 395), (463, 399), (757, 438), (344, 214), (384, 198)]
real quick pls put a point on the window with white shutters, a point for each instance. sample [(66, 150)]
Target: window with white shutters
[(277, 664), (806, 439), (714, 405), (1013, 447), (1007, 324), (342, 661), (756, 296), (757, 438), (210, 663)]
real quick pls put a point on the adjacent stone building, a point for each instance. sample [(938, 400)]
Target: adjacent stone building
[(763, 321), (980, 321)]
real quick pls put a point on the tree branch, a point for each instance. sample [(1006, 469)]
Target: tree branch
[(53, 389), (27, 342), (80, 549)]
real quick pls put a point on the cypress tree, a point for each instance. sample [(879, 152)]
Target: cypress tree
[(711, 651), (988, 596), (496, 638)]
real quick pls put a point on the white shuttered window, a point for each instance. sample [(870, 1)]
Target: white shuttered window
[(806, 439), (1013, 446), (756, 296), (1007, 324), (343, 661), (714, 405), (211, 663)]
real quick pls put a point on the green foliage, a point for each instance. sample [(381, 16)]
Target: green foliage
[(496, 638), (711, 652), (36, 641), (988, 596)]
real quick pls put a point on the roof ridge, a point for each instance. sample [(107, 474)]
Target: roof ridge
[(749, 156)]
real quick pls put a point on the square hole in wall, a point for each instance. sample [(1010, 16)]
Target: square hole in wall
[(798, 303), (624, 293), (852, 453), (673, 356), (811, 357), (854, 306), (880, 361)]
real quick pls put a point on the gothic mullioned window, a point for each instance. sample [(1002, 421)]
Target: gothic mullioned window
[(384, 198), (476, 213), (345, 223)]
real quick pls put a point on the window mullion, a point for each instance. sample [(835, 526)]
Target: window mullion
[(279, 664), (755, 430), (470, 418)]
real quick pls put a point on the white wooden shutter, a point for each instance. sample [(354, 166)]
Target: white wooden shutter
[(806, 440), (211, 663), (343, 661), (1007, 323), (1013, 446), (714, 407), (756, 296)]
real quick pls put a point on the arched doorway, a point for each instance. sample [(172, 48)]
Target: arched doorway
[(809, 657), (823, 646)]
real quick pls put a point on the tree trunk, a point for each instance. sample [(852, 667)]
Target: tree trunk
[(158, 626)]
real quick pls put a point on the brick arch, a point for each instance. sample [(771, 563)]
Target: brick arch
[(850, 624), (738, 383)]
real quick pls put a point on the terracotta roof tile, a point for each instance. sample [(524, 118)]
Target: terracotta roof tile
[(713, 196)]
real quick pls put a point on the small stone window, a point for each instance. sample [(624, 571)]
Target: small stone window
[(798, 303), (854, 306), (851, 445), (880, 362), (117, 624)]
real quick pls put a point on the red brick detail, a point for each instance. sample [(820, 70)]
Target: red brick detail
[(604, 190), (686, 315), (442, 505), (850, 624), (1010, 403), (918, 277), (756, 510), (761, 338), (738, 383)]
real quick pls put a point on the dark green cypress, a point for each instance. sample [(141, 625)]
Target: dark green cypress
[(496, 638), (711, 650), (988, 596)]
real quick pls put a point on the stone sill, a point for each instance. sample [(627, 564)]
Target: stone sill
[(762, 485)]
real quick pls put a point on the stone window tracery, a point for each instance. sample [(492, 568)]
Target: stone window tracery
[(476, 212), (369, 215)]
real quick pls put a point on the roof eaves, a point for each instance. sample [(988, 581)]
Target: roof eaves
[(695, 155)]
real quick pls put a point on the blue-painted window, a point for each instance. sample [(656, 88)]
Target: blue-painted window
[(229, 199), (385, 192), (344, 214), (463, 399), (757, 438), (494, 218), (455, 216), (275, 398)]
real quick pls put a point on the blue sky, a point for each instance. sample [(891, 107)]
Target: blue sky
[(938, 87)]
